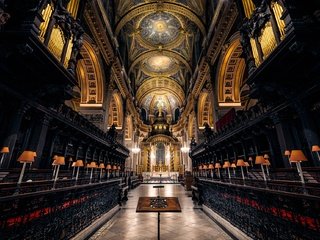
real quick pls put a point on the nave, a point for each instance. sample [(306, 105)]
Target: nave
[(191, 223)]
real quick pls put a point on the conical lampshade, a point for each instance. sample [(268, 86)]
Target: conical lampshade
[(267, 163), (92, 165), (266, 156), (79, 163), (108, 166), (211, 166), (60, 161), (101, 165), (115, 167), (233, 165), (297, 156), (5, 150), (240, 163), (226, 164), (259, 160), (315, 148), (218, 165), (26, 156), (287, 153)]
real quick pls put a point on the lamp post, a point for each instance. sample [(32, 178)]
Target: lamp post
[(108, 170), (92, 165), (218, 166), (211, 167), (226, 165), (316, 148), (101, 166), (25, 157), (4, 151), (234, 166), (79, 163), (250, 159), (297, 156), (59, 161)]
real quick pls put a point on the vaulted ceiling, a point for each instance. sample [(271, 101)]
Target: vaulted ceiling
[(158, 46)]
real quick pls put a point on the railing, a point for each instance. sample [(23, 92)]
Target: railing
[(58, 214), (264, 213)]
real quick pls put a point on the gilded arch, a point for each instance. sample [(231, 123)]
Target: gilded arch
[(115, 115), (90, 76), (205, 110), (230, 76)]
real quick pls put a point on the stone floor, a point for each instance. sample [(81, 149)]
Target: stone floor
[(191, 223)]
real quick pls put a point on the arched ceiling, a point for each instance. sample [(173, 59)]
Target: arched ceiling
[(160, 38)]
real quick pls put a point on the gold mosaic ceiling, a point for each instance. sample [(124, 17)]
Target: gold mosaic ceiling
[(160, 37)]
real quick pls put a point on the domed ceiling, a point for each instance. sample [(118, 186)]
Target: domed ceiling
[(160, 39)]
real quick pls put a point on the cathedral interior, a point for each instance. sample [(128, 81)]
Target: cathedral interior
[(214, 103)]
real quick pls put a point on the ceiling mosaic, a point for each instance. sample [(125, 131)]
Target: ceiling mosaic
[(160, 35)]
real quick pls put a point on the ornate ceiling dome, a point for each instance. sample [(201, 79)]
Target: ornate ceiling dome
[(159, 64), (160, 28)]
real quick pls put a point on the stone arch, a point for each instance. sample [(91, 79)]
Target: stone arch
[(115, 115), (90, 76), (231, 72)]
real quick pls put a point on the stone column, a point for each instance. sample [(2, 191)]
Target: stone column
[(12, 132)]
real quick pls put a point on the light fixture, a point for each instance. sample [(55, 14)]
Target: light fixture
[(211, 167), (135, 150), (267, 164), (241, 164), (247, 165), (25, 157), (109, 167), (185, 149), (4, 151), (250, 159), (260, 160), (316, 148), (266, 156), (92, 165), (79, 163), (227, 166), (101, 166), (287, 153), (234, 166), (218, 166), (58, 161), (297, 156)]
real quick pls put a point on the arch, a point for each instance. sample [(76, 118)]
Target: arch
[(230, 76), (205, 110), (115, 115), (129, 128), (90, 76)]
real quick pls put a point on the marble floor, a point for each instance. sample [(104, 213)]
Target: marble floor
[(191, 223)]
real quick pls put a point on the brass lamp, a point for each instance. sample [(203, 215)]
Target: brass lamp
[(287, 153), (25, 157), (79, 163), (211, 167), (58, 161), (227, 166), (101, 166), (108, 170), (241, 164), (297, 156), (92, 165), (4, 151), (260, 160), (218, 166), (234, 166), (316, 148)]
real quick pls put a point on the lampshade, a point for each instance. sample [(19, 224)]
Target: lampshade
[(218, 165), (266, 156), (297, 156), (226, 164), (233, 165), (54, 157), (240, 163), (101, 165), (109, 166), (73, 164), (287, 153), (267, 163), (250, 159), (119, 167), (5, 150), (26, 156), (92, 165), (79, 163), (204, 167), (59, 161), (114, 167), (70, 159), (259, 160), (211, 166), (315, 148), (247, 164), (200, 167)]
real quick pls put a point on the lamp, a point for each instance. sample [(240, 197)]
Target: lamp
[(25, 157), (267, 164), (59, 161), (297, 156), (92, 165), (79, 163), (227, 166), (234, 166), (266, 156), (241, 164), (4, 151), (108, 169), (250, 159), (70, 162), (287, 153), (74, 167), (218, 166), (35, 155), (54, 165), (101, 166), (247, 165), (316, 148), (211, 167), (260, 160)]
